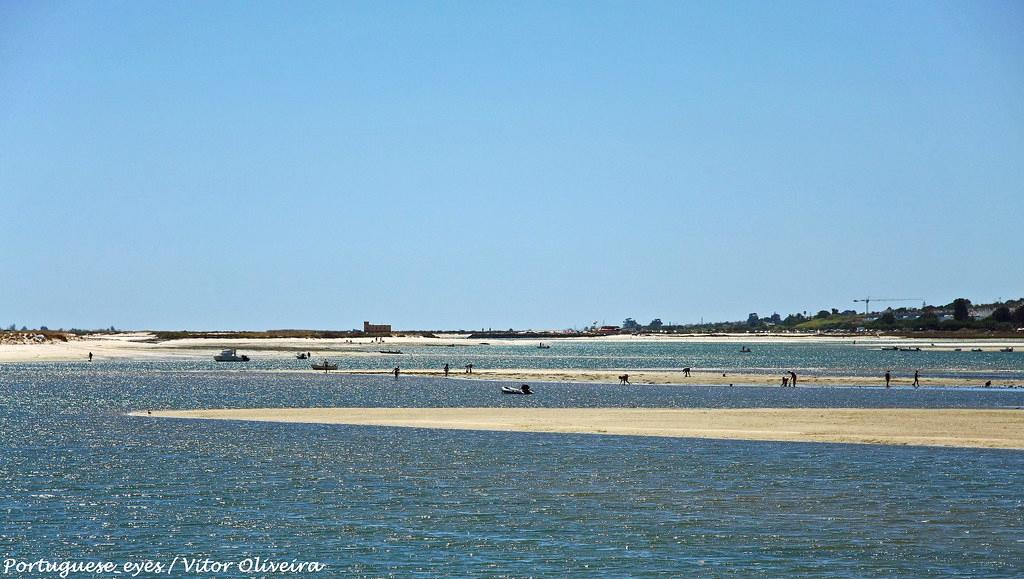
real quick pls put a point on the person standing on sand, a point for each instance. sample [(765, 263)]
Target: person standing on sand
[(469, 368), (888, 377), (90, 356), (396, 371), (917, 378), (792, 378), (686, 372), (446, 370)]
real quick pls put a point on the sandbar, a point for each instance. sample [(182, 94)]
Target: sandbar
[(965, 428), (678, 378)]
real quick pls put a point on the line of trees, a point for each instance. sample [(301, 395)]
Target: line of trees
[(632, 325)]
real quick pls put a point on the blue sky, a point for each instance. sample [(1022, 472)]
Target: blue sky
[(481, 164)]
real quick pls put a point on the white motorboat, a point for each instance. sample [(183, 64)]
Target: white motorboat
[(230, 356)]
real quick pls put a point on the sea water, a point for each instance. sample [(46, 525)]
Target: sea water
[(836, 359), (80, 480)]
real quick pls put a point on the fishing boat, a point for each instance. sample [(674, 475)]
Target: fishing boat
[(1010, 349), (230, 356), (325, 366), (390, 351), (524, 389), (890, 348)]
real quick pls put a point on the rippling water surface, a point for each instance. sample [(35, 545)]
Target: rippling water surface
[(78, 479), (816, 358)]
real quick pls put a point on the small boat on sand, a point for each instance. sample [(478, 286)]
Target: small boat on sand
[(890, 348), (915, 349), (390, 351), (1010, 349), (977, 350), (325, 366), (302, 356), (230, 356), (524, 389)]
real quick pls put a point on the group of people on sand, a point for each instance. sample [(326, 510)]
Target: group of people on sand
[(447, 370), (915, 384), (789, 378)]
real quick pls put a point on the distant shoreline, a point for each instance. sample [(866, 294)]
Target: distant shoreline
[(141, 346)]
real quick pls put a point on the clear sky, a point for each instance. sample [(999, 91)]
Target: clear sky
[(256, 165)]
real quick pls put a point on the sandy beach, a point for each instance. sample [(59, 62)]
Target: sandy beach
[(914, 427), (145, 346)]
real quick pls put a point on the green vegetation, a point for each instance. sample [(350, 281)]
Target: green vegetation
[(961, 316)]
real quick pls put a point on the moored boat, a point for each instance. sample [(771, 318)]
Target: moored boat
[(230, 355), (325, 366), (524, 389)]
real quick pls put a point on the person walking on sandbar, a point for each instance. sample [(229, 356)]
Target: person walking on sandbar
[(888, 377), (792, 378), (917, 378), (446, 369), (90, 356), (396, 371)]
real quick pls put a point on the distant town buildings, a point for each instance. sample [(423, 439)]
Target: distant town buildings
[(982, 312), (376, 329)]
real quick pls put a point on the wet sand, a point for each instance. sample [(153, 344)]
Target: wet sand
[(989, 428), (675, 377)]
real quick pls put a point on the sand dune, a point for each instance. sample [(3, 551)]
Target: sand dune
[(916, 427)]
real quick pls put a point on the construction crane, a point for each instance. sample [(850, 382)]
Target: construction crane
[(867, 301)]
